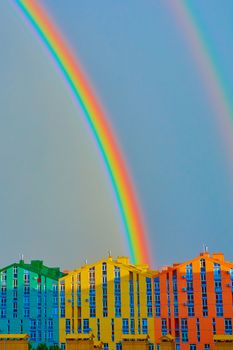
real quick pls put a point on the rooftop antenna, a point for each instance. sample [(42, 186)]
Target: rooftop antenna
[(109, 253), (21, 257), (205, 248)]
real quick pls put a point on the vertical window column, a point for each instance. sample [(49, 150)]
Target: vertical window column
[(104, 290), (168, 296), (204, 288), (117, 291), (3, 304), (62, 299), (79, 302), (218, 290), (131, 294), (157, 296), (149, 296), (175, 293), (92, 302), (189, 288)]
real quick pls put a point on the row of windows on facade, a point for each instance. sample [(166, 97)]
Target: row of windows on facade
[(128, 326), (183, 328)]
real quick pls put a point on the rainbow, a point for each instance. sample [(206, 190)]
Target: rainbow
[(134, 231), (208, 70)]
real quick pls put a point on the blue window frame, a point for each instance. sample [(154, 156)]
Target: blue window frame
[(164, 326), (228, 325), (125, 325), (192, 347), (118, 346), (86, 326), (67, 326), (144, 326)]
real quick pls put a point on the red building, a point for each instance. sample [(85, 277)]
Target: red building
[(193, 301)]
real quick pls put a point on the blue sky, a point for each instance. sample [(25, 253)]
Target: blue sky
[(56, 202)]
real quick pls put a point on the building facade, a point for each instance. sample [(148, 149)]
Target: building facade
[(108, 299), (193, 302), (29, 301)]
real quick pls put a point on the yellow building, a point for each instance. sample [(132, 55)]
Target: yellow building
[(109, 299)]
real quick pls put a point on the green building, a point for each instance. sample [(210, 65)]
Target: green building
[(29, 301)]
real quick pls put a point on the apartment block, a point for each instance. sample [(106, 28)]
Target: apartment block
[(29, 301), (193, 303), (112, 300)]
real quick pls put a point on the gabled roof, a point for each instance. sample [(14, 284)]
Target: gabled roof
[(38, 267)]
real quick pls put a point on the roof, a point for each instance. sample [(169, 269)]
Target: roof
[(120, 262), (14, 336), (135, 337), (205, 255), (38, 267), (223, 338)]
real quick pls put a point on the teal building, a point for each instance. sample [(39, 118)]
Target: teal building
[(29, 301)]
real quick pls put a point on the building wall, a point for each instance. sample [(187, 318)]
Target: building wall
[(29, 304), (195, 300), (111, 283)]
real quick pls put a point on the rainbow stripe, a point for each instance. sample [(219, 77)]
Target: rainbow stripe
[(208, 70), (121, 183)]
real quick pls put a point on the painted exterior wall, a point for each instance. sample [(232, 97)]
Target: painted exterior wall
[(29, 301), (108, 298), (193, 301)]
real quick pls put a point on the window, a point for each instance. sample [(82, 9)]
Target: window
[(113, 330), (164, 326), (184, 330), (219, 311), (98, 329), (132, 326), (144, 326), (214, 325), (67, 326), (85, 326), (118, 346), (207, 347), (105, 346), (125, 326), (192, 347), (228, 325)]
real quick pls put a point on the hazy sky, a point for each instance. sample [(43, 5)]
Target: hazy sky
[(56, 202)]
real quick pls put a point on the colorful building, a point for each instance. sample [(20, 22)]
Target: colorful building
[(193, 302), (109, 299), (29, 301)]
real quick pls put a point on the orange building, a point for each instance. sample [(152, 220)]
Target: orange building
[(193, 302)]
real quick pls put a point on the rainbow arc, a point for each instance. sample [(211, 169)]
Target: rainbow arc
[(135, 233)]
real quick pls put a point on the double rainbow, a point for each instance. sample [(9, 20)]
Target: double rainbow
[(121, 183)]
